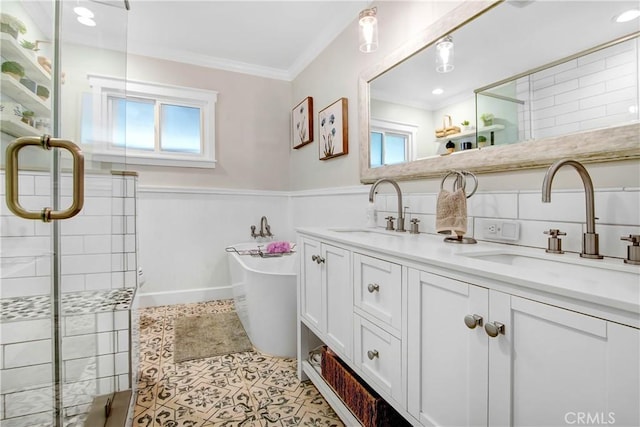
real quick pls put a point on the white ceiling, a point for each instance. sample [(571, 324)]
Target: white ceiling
[(269, 38)]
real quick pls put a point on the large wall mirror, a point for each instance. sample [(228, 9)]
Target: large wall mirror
[(553, 79)]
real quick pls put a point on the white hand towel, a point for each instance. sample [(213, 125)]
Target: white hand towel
[(451, 212)]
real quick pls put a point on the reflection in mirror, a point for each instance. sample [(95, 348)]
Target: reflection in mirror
[(403, 107), (590, 90)]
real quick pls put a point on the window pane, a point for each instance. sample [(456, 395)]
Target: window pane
[(375, 151), (133, 124), (180, 129), (394, 149)]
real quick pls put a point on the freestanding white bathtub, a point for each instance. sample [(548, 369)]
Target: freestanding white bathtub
[(264, 292)]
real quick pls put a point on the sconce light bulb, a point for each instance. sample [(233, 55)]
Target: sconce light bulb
[(444, 58), (368, 36)]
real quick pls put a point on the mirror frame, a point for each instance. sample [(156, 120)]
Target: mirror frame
[(600, 145)]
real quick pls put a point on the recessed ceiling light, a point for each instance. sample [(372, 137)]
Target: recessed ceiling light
[(86, 21), (437, 91), (83, 11), (627, 15)]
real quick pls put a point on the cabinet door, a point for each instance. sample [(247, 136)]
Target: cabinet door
[(447, 361), (311, 284), (557, 367), (338, 300)]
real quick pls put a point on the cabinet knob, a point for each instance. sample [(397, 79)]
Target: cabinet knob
[(472, 320), (494, 329), (373, 287), (317, 258), (372, 354)]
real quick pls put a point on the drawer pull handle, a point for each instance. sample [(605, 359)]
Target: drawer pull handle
[(494, 329), (317, 258), (373, 287), (472, 320), (372, 354)]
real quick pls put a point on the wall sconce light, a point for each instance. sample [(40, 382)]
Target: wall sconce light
[(368, 23), (444, 56)]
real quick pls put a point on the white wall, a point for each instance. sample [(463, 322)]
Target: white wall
[(252, 127), (184, 232)]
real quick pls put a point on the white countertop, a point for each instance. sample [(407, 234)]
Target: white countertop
[(599, 283)]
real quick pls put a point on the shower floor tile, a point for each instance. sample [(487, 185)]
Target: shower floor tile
[(248, 389)]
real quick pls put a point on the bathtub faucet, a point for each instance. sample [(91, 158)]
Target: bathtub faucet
[(265, 229)]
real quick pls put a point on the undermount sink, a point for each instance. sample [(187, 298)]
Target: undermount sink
[(367, 232), (578, 268)]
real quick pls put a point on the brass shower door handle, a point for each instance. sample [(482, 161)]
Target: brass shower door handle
[(11, 171)]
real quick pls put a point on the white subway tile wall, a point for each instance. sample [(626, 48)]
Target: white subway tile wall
[(98, 259)]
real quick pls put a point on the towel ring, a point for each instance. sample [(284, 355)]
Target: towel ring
[(461, 181)]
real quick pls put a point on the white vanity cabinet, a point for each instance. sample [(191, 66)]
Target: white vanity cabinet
[(547, 366), (452, 344), (326, 294)]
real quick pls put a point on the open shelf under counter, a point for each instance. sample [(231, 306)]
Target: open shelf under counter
[(460, 135), (330, 396), (12, 51)]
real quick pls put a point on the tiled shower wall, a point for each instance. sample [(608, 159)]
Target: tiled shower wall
[(98, 266)]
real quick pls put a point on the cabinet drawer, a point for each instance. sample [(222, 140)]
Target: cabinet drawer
[(378, 288), (378, 355)]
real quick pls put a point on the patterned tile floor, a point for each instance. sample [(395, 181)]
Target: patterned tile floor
[(243, 389)]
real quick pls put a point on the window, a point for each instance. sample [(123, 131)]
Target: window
[(391, 143), (149, 123)]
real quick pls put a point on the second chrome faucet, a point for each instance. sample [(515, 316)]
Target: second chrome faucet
[(590, 238)]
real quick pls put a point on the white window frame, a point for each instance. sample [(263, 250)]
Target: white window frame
[(104, 87), (408, 130)]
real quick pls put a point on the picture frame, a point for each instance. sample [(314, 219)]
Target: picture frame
[(302, 123), (333, 130)]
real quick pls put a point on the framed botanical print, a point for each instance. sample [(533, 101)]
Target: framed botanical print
[(333, 130), (302, 123)]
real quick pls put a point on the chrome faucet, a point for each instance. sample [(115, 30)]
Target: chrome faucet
[(372, 191), (590, 238)]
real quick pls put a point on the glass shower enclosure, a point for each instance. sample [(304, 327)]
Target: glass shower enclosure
[(67, 221)]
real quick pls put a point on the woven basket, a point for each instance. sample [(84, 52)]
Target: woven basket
[(447, 128), (365, 403)]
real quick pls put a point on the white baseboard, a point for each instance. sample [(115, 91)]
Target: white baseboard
[(185, 296)]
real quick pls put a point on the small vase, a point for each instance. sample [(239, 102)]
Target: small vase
[(488, 122)]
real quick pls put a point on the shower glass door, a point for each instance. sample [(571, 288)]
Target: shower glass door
[(66, 285)]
